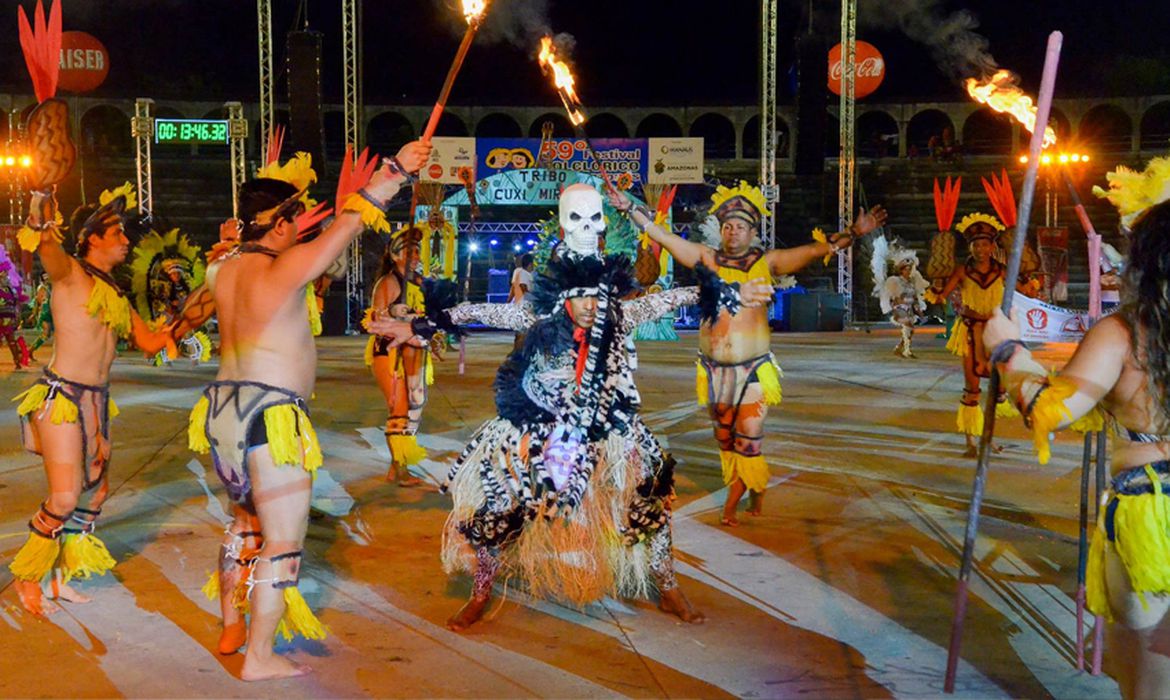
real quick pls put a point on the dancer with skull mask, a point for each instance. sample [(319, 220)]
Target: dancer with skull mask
[(737, 375), (567, 488)]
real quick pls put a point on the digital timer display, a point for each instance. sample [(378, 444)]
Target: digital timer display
[(190, 131)]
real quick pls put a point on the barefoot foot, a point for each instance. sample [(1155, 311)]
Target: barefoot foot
[(234, 636), (729, 522), (32, 599), (468, 615), (675, 603), (410, 481), (63, 591), (971, 451), (274, 666)]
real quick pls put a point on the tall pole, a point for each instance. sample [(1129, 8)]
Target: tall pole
[(351, 33), (847, 156), (237, 133), (264, 22), (142, 129), (768, 119), (1044, 104)]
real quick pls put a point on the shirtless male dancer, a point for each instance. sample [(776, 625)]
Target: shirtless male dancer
[(253, 417), (65, 416)]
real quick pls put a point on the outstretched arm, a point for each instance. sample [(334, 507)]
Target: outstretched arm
[(151, 341), (687, 253), (58, 264), (305, 262), (785, 261), (512, 317), (1047, 402)]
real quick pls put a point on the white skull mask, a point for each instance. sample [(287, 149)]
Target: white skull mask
[(582, 218)]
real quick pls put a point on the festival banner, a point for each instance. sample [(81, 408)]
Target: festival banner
[(523, 187), (1047, 323), (625, 160), (450, 155), (677, 161)]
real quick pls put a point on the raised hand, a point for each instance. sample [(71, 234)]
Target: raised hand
[(868, 221), (617, 200), (414, 155), (1000, 328)]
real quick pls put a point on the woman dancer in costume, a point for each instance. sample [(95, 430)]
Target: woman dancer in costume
[(900, 294), (1122, 367), (402, 373), (12, 300), (737, 376)]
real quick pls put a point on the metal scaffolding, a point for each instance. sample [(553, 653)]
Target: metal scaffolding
[(264, 22), (237, 133), (768, 119), (142, 129), (351, 25), (847, 158)]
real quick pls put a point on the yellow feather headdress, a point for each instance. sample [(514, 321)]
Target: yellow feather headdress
[(126, 190), (298, 172), (977, 218), (1133, 192), (727, 199)]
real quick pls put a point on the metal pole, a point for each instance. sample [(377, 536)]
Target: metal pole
[(1047, 85)]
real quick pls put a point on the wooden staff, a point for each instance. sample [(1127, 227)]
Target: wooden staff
[(1094, 243), (441, 103), (1047, 85)]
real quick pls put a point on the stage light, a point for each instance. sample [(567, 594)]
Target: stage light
[(516, 247), (25, 162), (10, 161), (1064, 157), (1023, 160), (1085, 158), (1045, 159), (531, 242), (494, 242), (475, 247)]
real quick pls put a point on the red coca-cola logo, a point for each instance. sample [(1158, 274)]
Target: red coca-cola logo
[(869, 69), (435, 171), (1038, 319)]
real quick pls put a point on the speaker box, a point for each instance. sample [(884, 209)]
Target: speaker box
[(306, 128), (814, 312), (812, 86), (333, 316)]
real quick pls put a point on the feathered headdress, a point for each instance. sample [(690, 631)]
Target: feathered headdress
[(887, 252), (979, 225), (47, 125), (159, 253), (946, 201), (1133, 192), (740, 202), (566, 277)]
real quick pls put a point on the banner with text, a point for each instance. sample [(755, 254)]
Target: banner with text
[(676, 161), (450, 155)]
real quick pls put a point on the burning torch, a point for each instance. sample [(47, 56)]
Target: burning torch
[(473, 12), (564, 83)]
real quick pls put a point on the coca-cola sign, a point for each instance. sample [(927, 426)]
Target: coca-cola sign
[(870, 69)]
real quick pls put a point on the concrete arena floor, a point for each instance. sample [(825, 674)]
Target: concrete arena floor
[(842, 589)]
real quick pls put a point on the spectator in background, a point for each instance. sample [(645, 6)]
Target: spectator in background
[(521, 283)]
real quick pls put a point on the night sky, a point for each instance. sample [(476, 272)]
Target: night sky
[(628, 52)]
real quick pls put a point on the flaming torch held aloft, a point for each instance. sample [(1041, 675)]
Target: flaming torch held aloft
[(564, 83), (1001, 94), (473, 12), (562, 79)]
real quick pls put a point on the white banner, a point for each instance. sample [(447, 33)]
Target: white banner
[(675, 161), (1047, 323), (451, 153)]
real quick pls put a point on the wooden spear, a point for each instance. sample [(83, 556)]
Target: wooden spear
[(1044, 104)]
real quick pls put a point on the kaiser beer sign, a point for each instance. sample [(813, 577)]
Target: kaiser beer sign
[(84, 62), (869, 67)]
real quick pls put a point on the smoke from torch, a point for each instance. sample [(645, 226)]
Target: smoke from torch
[(1001, 94), (562, 80)]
